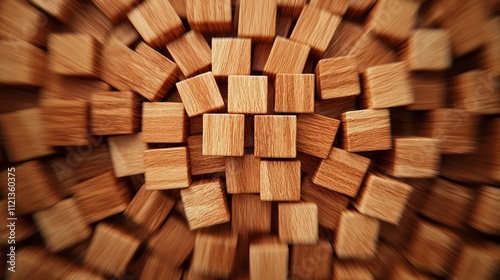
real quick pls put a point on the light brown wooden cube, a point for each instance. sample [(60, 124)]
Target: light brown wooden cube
[(429, 91), (200, 164), (342, 172), (356, 236), (361, 127), (480, 260), (127, 154), (223, 134), (347, 270), (294, 93), (213, 17), (114, 113), (65, 122), (428, 50), (164, 122), (257, 19), (383, 198), (298, 222), (116, 10), (474, 91), (486, 213), (315, 28), (312, 261), (280, 180), (222, 252), (159, 267), (250, 214), (286, 57), (157, 22), (247, 94), (200, 94), (337, 77), (192, 53), (21, 21), (387, 86), (231, 56), (73, 54), (205, 204), (275, 136), (22, 63), (338, 7), (167, 168), (268, 260), (315, 134), (120, 248), (241, 174)]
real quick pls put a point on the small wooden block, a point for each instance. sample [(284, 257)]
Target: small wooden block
[(221, 250), (356, 236), (338, 7), (250, 214), (428, 50), (315, 28), (120, 248), (257, 19), (65, 122), (200, 164), (164, 122), (479, 261), (241, 174), (383, 198), (294, 93), (127, 154), (474, 91), (348, 270), (116, 10), (231, 56), (290, 8), (429, 91), (312, 261), (315, 134), (101, 197), (114, 113), (223, 134), (275, 136), (205, 204), (387, 86), (279, 180), (157, 22), (286, 57), (73, 54), (167, 168), (337, 77), (486, 213), (393, 20), (192, 53), (200, 94), (247, 94), (210, 18), (268, 260), (22, 21), (22, 63), (298, 222), (158, 267), (361, 127), (342, 172), (370, 51)]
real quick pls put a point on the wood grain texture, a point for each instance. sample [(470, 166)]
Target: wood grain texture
[(72, 88), (298, 222), (428, 50), (294, 93), (73, 54), (223, 134), (491, 49), (344, 39), (200, 94), (474, 91), (312, 261), (23, 64), (88, 19), (356, 236), (213, 17), (164, 122), (268, 260), (477, 260), (158, 267), (125, 33), (199, 163), (127, 154), (335, 7), (65, 122), (286, 57), (333, 108), (231, 56), (485, 216), (370, 51), (429, 91), (167, 168), (250, 214), (275, 136), (345, 270), (214, 255), (361, 127), (337, 77), (241, 174), (291, 8), (247, 94), (257, 19), (315, 134), (116, 10), (192, 53), (22, 21), (114, 113), (279, 180)]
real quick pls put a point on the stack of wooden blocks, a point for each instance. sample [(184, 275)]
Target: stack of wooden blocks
[(252, 139)]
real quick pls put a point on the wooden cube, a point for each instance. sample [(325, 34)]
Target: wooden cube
[(312, 261), (486, 214), (298, 222), (257, 19), (167, 168), (127, 154), (356, 236), (286, 57), (342, 172), (250, 214), (231, 56), (428, 50), (21, 21), (117, 10), (480, 260), (346, 270), (474, 91), (429, 91), (159, 267), (22, 63), (241, 174), (337, 77), (247, 94), (280, 180), (361, 127), (393, 20), (315, 134), (222, 252), (205, 204), (383, 198), (199, 163), (200, 94), (294, 93), (114, 113), (121, 247), (73, 54), (387, 86), (65, 122), (315, 28), (223, 134), (192, 53), (157, 22), (164, 122), (275, 136), (210, 18), (268, 260), (336, 7)]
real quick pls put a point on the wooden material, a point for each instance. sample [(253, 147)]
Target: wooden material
[(280, 180), (346, 270), (72, 88), (216, 17), (479, 261), (241, 174), (370, 51), (383, 198), (336, 7), (114, 113), (315, 134), (65, 123), (116, 10), (164, 122), (223, 134), (486, 214), (298, 222), (342, 172), (312, 261), (250, 215), (127, 154), (88, 19), (205, 204), (361, 127), (200, 94), (22, 63), (260, 54), (21, 21), (158, 267), (356, 236), (200, 164), (294, 93), (286, 57), (429, 91), (290, 8), (214, 255), (275, 136), (315, 28), (344, 39), (257, 19), (247, 94), (157, 22), (73, 54), (474, 91), (337, 77), (231, 56), (428, 50), (125, 33), (268, 260), (333, 108), (167, 168), (491, 51), (387, 86), (192, 53), (120, 248)]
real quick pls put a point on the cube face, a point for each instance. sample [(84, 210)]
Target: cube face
[(191, 52), (268, 261), (114, 113), (315, 134), (65, 123), (429, 91), (158, 267), (223, 252), (280, 180), (164, 122), (127, 154), (250, 214), (73, 54), (294, 93), (429, 50), (275, 136), (414, 157), (485, 217), (370, 51), (200, 164), (387, 86), (231, 56), (216, 17), (23, 64), (257, 19), (356, 236), (361, 127), (200, 94), (167, 168), (337, 77), (298, 222), (286, 57), (312, 261), (247, 94), (223, 134), (241, 174), (474, 91)]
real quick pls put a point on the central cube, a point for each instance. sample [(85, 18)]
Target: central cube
[(275, 136), (223, 134)]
